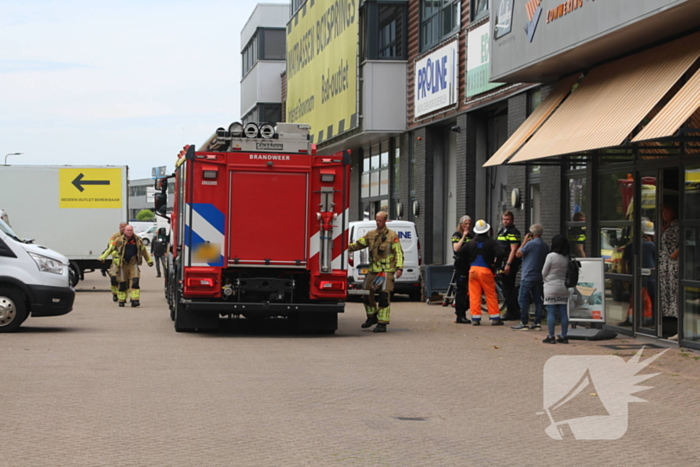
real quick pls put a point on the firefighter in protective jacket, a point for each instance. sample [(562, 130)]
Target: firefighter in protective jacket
[(114, 284), (386, 264), (128, 252)]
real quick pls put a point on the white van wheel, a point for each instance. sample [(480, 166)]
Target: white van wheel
[(12, 309)]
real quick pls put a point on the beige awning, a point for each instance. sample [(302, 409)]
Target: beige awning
[(612, 100), (534, 121), (679, 109)]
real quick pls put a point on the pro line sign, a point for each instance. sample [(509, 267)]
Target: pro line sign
[(86, 188), (436, 80)]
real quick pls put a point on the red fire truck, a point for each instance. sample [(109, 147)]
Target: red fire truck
[(258, 230)]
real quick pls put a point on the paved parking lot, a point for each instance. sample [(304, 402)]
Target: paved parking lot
[(104, 386)]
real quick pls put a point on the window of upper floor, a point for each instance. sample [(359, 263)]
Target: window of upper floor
[(383, 35), (479, 9), (264, 113), (439, 19), (266, 44), (295, 5)]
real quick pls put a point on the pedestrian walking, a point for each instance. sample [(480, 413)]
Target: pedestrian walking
[(556, 295), (127, 252), (386, 264), (509, 240), (533, 252), (461, 269), (159, 246), (484, 254), (112, 271)]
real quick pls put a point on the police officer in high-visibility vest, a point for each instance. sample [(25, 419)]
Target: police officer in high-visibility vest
[(386, 264), (509, 239), (577, 236), (128, 252)]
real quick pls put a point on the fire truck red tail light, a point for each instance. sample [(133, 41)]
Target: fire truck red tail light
[(199, 282), (332, 285)]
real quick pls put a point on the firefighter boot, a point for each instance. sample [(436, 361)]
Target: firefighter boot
[(115, 298), (381, 327), (135, 303), (122, 304), (371, 321)]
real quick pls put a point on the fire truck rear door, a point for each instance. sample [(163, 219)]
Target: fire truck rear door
[(268, 218)]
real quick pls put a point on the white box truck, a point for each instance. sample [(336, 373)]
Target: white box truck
[(73, 210)]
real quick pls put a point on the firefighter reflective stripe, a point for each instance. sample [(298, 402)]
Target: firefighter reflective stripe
[(385, 243), (204, 235), (384, 315)]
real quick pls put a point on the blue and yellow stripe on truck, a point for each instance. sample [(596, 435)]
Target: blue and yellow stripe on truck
[(204, 235)]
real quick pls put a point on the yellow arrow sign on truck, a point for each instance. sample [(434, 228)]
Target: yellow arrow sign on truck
[(86, 188)]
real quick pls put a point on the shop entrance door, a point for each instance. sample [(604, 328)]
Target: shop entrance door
[(644, 251), (657, 195)]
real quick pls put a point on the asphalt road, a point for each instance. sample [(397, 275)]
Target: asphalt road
[(109, 386)]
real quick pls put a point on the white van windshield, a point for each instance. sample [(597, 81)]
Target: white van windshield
[(8, 230)]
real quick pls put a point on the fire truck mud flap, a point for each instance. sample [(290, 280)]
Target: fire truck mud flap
[(189, 321)]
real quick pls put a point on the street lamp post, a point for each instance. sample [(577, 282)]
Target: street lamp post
[(12, 154)]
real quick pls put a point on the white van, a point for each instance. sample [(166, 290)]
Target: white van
[(34, 280), (358, 261)]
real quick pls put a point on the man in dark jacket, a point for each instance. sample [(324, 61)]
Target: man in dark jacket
[(483, 254), (159, 246)]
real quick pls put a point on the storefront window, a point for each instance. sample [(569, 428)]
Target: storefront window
[(691, 254), (375, 175), (384, 182), (397, 166), (614, 156), (374, 184), (616, 195), (384, 205), (691, 312), (578, 197), (692, 193), (616, 248), (576, 162), (617, 302), (374, 164), (384, 156)]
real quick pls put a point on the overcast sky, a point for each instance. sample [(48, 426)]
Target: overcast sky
[(117, 83)]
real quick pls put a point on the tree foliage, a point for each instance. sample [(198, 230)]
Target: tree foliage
[(145, 215)]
